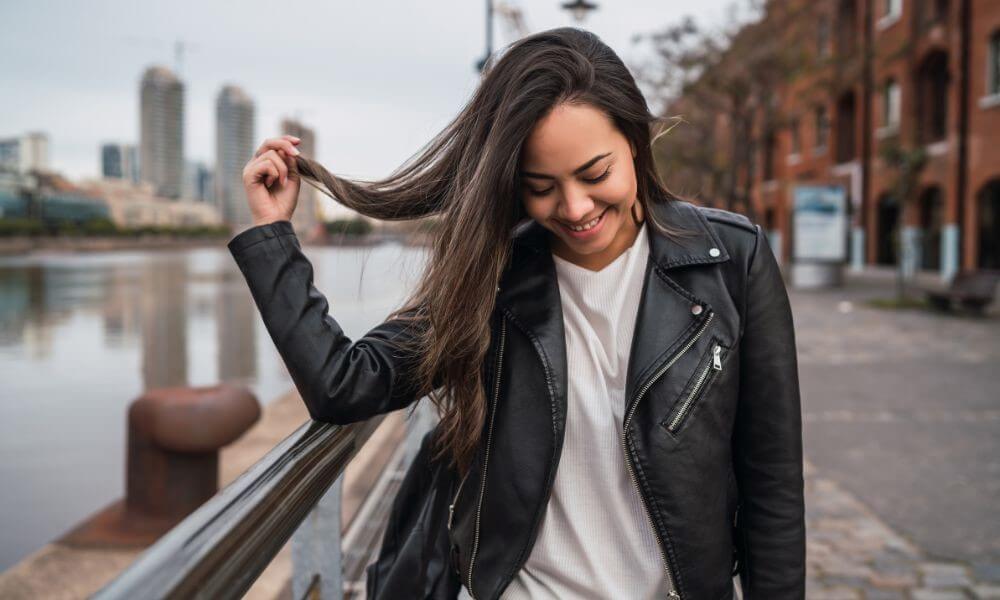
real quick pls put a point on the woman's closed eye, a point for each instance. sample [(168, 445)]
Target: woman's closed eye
[(594, 180)]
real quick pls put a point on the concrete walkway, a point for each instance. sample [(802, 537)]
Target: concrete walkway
[(901, 423), (853, 555)]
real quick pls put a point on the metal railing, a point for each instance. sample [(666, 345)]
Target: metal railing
[(220, 549)]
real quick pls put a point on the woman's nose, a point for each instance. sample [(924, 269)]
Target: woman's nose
[(575, 205)]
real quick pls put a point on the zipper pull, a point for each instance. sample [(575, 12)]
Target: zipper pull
[(451, 513), (717, 358)]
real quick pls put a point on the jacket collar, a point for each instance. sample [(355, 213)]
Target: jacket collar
[(529, 295), (531, 238)]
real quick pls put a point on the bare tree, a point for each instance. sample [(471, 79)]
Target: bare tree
[(724, 88), (905, 164)]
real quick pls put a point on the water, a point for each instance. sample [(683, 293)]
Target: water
[(83, 335)]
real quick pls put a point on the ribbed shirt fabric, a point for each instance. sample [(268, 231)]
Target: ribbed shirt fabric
[(595, 540)]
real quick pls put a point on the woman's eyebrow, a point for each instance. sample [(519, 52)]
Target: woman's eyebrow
[(577, 171)]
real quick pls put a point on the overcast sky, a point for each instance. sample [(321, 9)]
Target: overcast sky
[(376, 79)]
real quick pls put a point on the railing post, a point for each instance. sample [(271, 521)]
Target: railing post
[(316, 552)]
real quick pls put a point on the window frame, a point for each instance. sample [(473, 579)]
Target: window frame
[(821, 123)]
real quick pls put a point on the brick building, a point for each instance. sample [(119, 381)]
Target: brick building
[(920, 76)]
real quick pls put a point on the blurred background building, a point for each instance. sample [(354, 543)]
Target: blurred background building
[(899, 102), (26, 152), (234, 146), (120, 161), (198, 181), (134, 205), (161, 132)]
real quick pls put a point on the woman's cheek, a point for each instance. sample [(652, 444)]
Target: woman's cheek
[(539, 208), (621, 188)]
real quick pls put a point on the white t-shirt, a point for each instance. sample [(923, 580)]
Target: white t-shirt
[(595, 540)]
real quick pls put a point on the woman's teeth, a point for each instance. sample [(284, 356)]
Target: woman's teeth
[(586, 225)]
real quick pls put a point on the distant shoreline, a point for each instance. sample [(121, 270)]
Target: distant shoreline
[(26, 245)]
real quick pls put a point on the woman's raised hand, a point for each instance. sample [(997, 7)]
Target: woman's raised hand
[(272, 181)]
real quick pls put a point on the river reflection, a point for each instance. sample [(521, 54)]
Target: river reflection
[(83, 335)]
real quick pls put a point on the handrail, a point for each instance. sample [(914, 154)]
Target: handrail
[(220, 549)]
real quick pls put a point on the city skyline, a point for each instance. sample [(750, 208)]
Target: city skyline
[(374, 96)]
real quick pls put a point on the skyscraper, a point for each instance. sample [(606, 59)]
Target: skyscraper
[(234, 146), (161, 131), (306, 214), (197, 181), (120, 161), (25, 153)]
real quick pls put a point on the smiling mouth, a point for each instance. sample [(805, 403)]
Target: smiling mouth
[(587, 224)]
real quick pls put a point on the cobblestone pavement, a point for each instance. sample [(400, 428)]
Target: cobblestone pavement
[(854, 555), (901, 425)]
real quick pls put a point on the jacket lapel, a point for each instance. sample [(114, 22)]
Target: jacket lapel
[(529, 293), (668, 313)]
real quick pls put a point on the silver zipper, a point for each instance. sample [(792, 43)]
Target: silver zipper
[(486, 460), (454, 499), (715, 363), (628, 463)]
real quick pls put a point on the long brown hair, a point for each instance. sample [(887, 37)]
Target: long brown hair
[(468, 176)]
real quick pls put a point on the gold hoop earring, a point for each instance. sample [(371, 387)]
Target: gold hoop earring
[(635, 218)]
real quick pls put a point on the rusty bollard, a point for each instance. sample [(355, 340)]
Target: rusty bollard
[(174, 438)]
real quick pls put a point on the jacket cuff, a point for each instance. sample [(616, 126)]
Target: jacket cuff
[(259, 233)]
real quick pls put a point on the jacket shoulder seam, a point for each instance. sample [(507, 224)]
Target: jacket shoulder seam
[(726, 217)]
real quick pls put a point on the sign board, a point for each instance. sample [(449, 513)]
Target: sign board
[(820, 223)]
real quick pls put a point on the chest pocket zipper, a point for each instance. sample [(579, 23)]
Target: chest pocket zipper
[(707, 371)]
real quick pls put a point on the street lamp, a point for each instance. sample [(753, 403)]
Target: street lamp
[(481, 63), (579, 8)]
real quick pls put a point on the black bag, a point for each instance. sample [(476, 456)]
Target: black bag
[(414, 560)]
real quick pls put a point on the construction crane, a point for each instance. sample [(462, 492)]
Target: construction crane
[(180, 48), (513, 19)]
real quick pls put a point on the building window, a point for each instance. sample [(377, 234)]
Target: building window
[(846, 120), (770, 145), (822, 128), (823, 37), (931, 12), (993, 64), (846, 27), (795, 131), (892, 9), (932, 98), (890, 104)]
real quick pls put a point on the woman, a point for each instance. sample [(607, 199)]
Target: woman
[(615, 368)]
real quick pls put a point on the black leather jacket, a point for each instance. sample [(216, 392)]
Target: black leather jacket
[(712, 429)]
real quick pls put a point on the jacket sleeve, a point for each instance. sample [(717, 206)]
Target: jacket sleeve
[(340, 381), (768, 439)]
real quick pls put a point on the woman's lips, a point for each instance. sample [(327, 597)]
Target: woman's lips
[(586, 233)]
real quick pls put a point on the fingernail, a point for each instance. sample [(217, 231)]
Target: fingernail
[(295, 151), (296, 139)]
